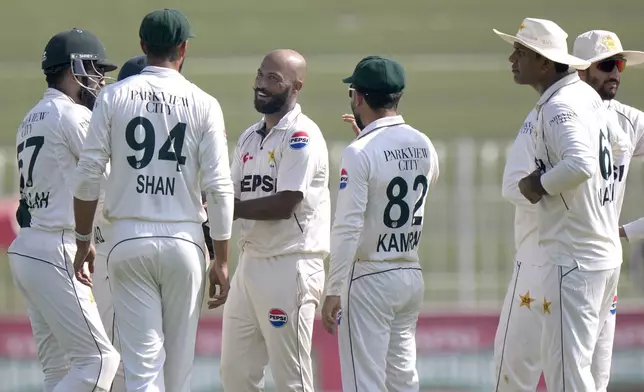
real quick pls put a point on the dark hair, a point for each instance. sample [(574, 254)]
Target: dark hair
[(54, 76), (559, 68), (377, 100), (170, 53)]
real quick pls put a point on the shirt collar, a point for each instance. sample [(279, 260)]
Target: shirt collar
[(151, 69), (563, 82), (286, 122), (52, 93), (383, 122)]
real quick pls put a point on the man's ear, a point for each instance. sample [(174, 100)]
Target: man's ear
[(144, 47), (298, 85)]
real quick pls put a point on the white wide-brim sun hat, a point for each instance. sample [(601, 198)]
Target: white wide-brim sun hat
[(598, 45), (546, 38)]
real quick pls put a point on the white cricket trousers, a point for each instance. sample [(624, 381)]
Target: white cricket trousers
[(377, 333), (517, 344), (103, 296), (268, 320), (73, 348), (157, 275), (581, 305)]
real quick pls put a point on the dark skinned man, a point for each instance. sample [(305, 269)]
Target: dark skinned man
[(576, 219), (280, 170)]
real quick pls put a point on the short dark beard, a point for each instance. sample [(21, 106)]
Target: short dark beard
[(275, 104)]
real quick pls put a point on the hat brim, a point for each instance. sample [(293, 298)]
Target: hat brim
[(557, 57), (632, 57), (109, 66), (348, 80)]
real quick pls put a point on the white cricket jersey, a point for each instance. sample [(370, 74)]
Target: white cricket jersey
[(632, 121), (385, 177), (577, 220), (291, 157), (519, 164), (49, 143), (164, 138)]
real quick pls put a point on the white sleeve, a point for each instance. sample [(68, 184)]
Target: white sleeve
[(73, 132), (519, 164), (620, 141), (634, 230), (236, 171), (349, 218), (216, 181), (297, 164), (636, 117), (568, 139), (96, 151)]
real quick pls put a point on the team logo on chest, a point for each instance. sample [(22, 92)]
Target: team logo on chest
[(271, 158), (299, 140)]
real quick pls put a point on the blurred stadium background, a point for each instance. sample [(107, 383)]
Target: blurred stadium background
[(460, 92)]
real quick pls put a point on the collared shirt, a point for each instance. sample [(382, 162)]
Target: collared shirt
[(49, 142), (292, 156), (520, 163), (577, 220), (387, 172), (166, 142)]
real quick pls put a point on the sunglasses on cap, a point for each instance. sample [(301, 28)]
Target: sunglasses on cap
[(609, 65)]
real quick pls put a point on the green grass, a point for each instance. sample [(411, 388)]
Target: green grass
[(459, 85)]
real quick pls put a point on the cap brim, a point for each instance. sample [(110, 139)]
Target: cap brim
[(557, 57), (348, 80), (633, 57)]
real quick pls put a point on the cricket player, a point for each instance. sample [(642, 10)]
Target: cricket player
[(280, 170), (165, 139), (375, 277), (102, 235), (73, 348), (573, 188), (604, 50)]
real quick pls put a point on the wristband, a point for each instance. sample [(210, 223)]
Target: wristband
[(81, 237)]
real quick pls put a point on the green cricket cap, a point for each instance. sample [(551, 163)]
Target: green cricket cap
[(378, 74), (165, 28)]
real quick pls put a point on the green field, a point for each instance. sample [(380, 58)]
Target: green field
[(459, 86)]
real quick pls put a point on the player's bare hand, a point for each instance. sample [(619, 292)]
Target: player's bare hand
[(350, 119), (330, 311), (531, 188), (218, 280), (84, 262)]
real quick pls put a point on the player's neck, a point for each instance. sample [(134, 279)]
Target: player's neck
[(272, 119), (368, 118), (175, 65), (545, 85)]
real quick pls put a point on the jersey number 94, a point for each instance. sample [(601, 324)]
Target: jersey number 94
[(169, 151)]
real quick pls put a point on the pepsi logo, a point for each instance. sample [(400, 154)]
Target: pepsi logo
[(299, 140), (613, 306), (344, 178), (277, 317)]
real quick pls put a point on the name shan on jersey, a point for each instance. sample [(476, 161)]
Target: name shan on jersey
[(155, 185), (407, 157), (398, 242), (159, 102)]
